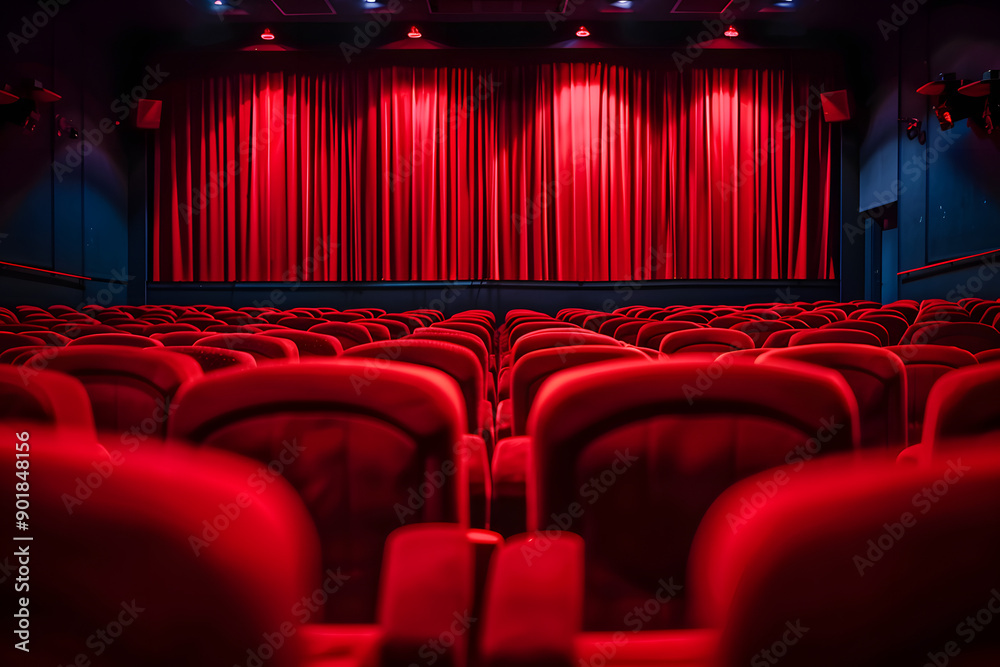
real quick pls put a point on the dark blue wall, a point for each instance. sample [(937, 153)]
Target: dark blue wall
[(63, 206), (948, 190)]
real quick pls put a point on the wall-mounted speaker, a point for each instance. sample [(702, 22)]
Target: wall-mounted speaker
[(836, 106), (147, 114)]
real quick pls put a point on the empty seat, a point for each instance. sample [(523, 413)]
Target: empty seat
[(971, 336), (145, 548), (834, 336), (863, 565), (651, 334), (12, 340), (779, 338), (963, 403), (124, 339), (894, 324), (309, 343), (367, 452), (925, 364), (265, 349), (877, 379), (759, 330), (862, 325), (630, 455), (300, 323), (212, 358), (180, 337), (43, 397), (547, 338), (130, 390), (705, 340), (347, 333)]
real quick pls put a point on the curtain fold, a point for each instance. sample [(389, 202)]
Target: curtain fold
[(580, 172)]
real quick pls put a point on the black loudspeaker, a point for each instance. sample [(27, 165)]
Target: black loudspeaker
[(836, 106), (147, 114)]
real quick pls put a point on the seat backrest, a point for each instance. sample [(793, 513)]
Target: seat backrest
[(705, 340), (833, 336), (964, 402), (759, 330), (212, 358), (180, 337), (347, 333), (972, 336), (779, 338), (396, 329), (458, 362), (147, 553), (343, 317), (300, 323), (894, 324), (545, 338), (877, 379), (463, 338), (628, 332), (478, 330), (309, 343), (861, 325), (265, 349), (849, 547), (43, 397), (368, 449), (925, 364), (378, 330), (622, 445), (12, 340), (651, 334), (124, 339), (131, 391), (533, 369)]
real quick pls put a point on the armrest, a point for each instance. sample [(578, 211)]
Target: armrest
[(505, 420), (477, 461), (673, 648), (486, 426), (534, 602), (511, 503), (427, 593), (914, 455)]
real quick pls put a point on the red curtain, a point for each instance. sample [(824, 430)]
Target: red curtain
[(544, 172)]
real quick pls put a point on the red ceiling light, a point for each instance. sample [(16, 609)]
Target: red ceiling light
[(731, 32), (414, 33), (583, 32), (267, 35)]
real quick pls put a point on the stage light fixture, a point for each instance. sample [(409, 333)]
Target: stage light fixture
[(731, 32), (988, 87), (267, 35), (583, 32), (622, 4), (914, 129), (30, 122), (950, 107), (414, 33), (65, 128)]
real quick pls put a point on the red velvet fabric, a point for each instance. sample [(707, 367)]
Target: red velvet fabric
[(566, 171)]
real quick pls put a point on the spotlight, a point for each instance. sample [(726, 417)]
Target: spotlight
[(267, 35), (218, 3), (622, 4), (414, 33), (914, 129), (950, 107), (30, 122), (64, 127), (583, 32), (731, 32)]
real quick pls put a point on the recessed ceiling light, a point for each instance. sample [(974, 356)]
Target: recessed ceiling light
[(583, 32), (414, 33), (266, 35), (731, 32)]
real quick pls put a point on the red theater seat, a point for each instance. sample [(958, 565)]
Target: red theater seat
[(396, 329), (865, 566), (212, 358), (833, 336), (123, 339), (131, 391), (137, 559), (630, 455), (705, 340), (971, 336), (964, 403), (265, 349), (309, 343), (759, 330), (12, 340), (367, 452), (877, 379), (861, 325), (651, 334), (180, 337), (547, 338), (300, 323), (925, 365), (347, 333), (29, 398)]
